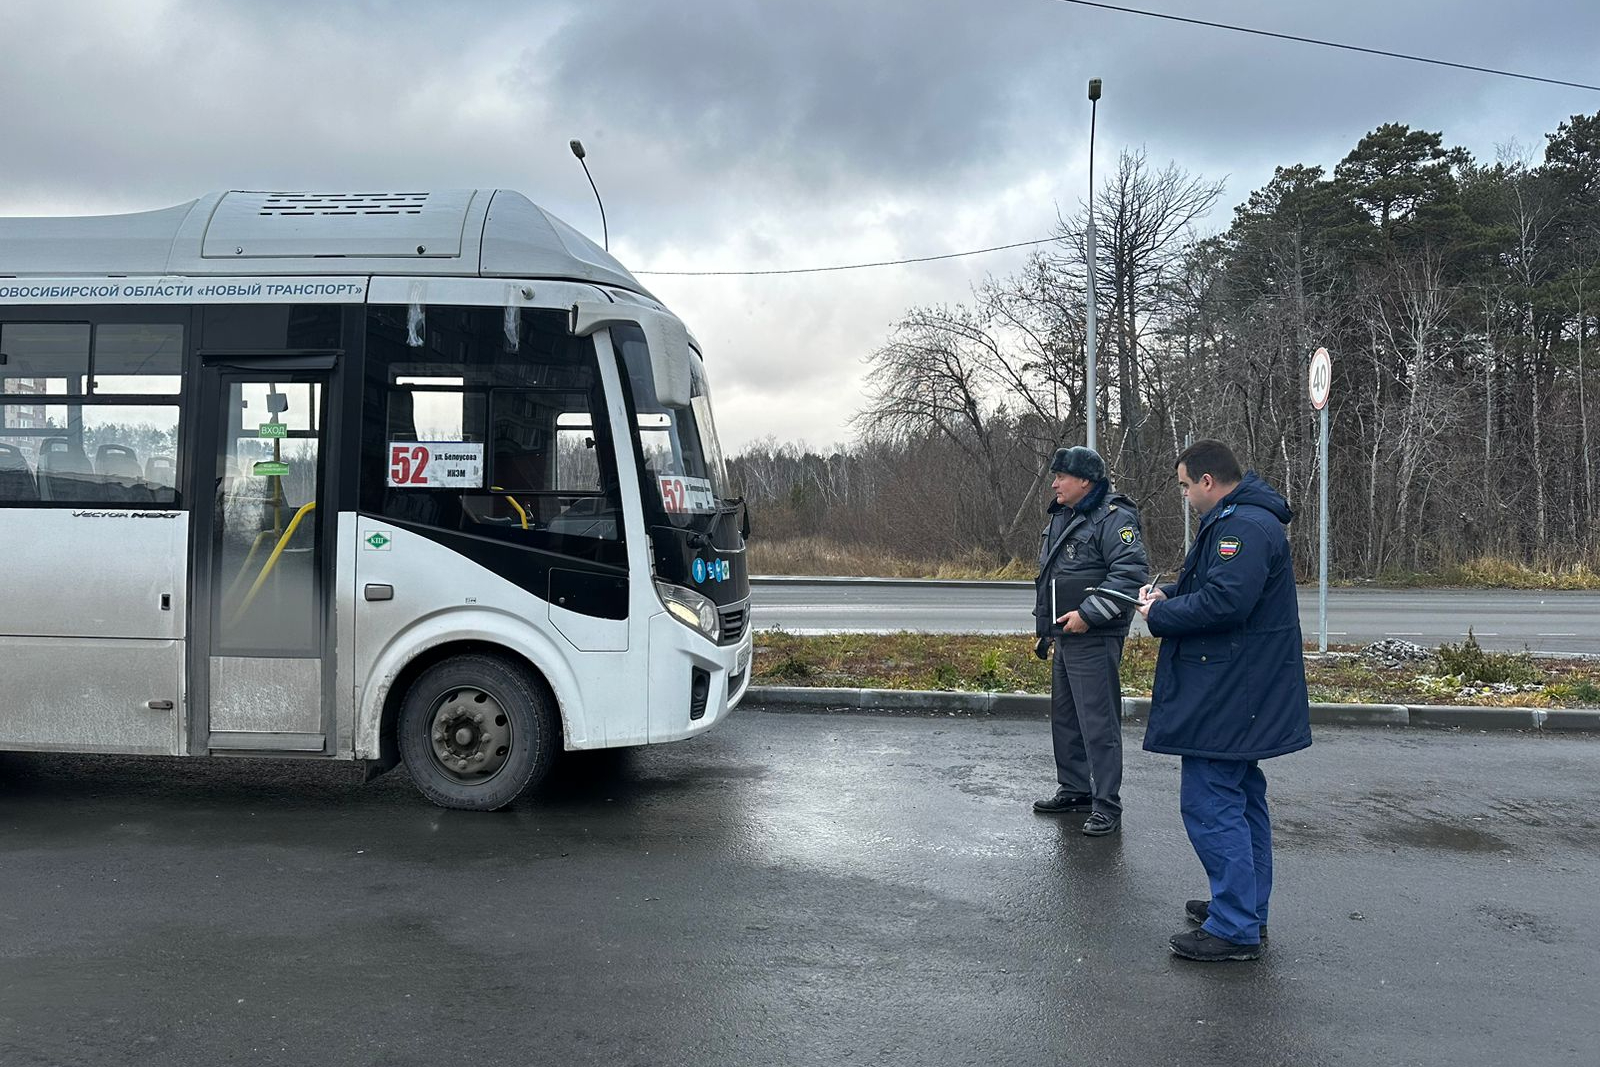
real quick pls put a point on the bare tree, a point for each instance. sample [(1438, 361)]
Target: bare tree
[(947, 373)]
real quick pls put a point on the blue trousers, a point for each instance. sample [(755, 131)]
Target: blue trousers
[(1224, 805)]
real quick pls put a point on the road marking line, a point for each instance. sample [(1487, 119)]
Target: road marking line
[(1405, 633), (1555, 635)]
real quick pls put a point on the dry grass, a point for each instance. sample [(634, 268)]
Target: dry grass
[(1492, 572), (817, 556), (1489, 572), (988, 663)]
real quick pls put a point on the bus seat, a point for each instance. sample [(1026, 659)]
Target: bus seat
[(160, 470), (122, 479), (117, 461), (65, 472), (16, 477), (519, 467)]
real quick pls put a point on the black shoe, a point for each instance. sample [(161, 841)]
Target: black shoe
[(1100, 824), (1198, 911), (1064, 801), (1199, 945)]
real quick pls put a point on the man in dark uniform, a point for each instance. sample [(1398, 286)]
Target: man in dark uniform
[(1091, 541), (1230, 690)]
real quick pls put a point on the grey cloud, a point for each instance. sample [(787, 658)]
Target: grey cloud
[(844, 91), (748, 133)]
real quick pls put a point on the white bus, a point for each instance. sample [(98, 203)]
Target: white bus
[(404, 476)]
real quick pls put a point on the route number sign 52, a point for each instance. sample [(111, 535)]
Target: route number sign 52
[(435, 465)]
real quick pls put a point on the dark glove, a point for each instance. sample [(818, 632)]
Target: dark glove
[(1041, 648)]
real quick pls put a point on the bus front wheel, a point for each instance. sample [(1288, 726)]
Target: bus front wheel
[(475, 731)]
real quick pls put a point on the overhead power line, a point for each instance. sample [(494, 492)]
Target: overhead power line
[(1147, 14), (1333, 44), (842, 266)]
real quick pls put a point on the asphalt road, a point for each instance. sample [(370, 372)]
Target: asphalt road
[(797, 889), (1565, 623)]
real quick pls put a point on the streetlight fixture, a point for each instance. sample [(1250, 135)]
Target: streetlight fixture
[(1089, 324), (577, 150)]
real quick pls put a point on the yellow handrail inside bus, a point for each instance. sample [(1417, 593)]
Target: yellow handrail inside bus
[(272, 561), (244, 568), (513, 500)]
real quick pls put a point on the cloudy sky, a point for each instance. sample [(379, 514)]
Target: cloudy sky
[(742, 135)]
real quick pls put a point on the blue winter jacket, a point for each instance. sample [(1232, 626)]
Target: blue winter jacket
[(1231, 676)]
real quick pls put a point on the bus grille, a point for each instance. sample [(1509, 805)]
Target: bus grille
[(733, 620)]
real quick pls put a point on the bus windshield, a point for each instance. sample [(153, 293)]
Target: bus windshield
[(682, 457)]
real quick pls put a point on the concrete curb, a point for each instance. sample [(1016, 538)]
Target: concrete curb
[(1584, 719), (1027, 705)]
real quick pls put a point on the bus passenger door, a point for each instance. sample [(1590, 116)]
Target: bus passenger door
[(262, 668)]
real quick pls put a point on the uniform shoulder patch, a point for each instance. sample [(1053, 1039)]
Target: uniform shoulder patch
[(1229, 510), (1128, 533), (1229, 547)]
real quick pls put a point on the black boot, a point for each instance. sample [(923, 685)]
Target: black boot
[(1198, 911), (1100, 824), (1064, 800), (1199, 945)]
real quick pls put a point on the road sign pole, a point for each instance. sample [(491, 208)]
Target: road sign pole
[(1322, 563), (1320, 383)]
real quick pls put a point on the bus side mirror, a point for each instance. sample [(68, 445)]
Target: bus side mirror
[(671, 356)]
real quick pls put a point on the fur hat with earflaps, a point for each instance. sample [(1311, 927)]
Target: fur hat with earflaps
[(1080, 461)]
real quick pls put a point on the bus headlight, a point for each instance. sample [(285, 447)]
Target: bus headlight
[(690, 608)]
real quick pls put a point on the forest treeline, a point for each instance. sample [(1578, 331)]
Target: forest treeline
[(1456, 296)]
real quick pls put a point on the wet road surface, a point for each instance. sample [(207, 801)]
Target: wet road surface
[(797, 889)]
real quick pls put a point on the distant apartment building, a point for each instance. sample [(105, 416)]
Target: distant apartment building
[(24, 416)]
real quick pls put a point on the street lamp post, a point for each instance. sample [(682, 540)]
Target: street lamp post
[(1089, 324)]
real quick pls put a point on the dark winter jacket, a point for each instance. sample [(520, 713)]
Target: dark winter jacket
[(1231, 677), (1094, 544)]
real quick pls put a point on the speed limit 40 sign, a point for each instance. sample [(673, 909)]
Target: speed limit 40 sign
[(1321, 378)]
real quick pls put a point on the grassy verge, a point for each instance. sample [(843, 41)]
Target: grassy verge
[(818, 556), (982, 663), (1491, 573)]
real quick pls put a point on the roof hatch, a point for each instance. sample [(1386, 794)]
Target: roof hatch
[(304, 225)]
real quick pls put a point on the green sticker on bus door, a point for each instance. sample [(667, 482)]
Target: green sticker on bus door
[(273, 429), (270, 469)]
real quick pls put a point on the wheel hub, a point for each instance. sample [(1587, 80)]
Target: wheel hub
[(471, 735)]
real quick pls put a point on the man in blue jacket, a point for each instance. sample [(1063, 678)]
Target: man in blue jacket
[(1230, 690)]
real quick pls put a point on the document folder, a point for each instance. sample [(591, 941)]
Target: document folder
[(1065, 595)]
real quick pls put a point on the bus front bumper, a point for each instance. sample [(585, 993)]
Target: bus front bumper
[(694, 683)]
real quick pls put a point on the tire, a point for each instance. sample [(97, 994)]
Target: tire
[(475, 732)]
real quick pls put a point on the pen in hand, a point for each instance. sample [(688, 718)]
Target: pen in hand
[(1150, 587)]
